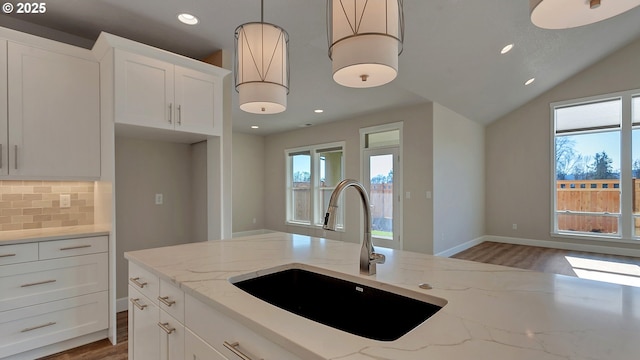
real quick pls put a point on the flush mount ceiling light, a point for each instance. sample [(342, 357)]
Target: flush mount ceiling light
[(187, 19), (564, 14), (365, 39), (262, 66), (506, 49)]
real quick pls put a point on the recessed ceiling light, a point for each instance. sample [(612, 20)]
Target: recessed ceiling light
[(318, 111), (528, 82), (506, 49), (187, 19), (255, 127)]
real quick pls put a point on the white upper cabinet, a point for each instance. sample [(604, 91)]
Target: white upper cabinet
[(158, 94), (143, 91), (198, 97), (4, 155), (53, 103)]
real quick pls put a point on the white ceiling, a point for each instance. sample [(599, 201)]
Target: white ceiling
[(451, 51)]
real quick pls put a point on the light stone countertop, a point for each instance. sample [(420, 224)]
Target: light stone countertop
[(493, 312), (46, 234)]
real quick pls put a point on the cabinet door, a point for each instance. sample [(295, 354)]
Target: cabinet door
[(144, 334), (197, 349), (198, 102), (143, 91), (171, 338), (4, 155), (54, 114)]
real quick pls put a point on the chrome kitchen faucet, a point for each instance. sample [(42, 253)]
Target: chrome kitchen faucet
[(368, 257)]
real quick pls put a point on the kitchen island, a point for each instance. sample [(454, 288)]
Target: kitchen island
[(492, 312)]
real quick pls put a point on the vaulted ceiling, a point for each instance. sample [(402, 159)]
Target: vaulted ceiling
[(451, 51)]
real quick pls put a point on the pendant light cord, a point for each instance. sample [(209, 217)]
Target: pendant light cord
[(262, 11)]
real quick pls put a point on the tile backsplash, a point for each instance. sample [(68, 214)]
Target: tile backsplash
[(36, 204)]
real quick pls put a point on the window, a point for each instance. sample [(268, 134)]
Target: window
[(597, 145), (312, 174)]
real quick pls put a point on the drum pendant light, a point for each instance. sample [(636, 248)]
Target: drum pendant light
[(365, 38), (262, 66)]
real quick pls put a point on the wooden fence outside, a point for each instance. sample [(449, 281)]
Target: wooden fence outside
[(593, 196)]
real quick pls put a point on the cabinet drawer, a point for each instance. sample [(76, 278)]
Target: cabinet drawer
[(35, 326), (41, 281), (13, 254), (144, 281), (73, 247), (197, 349), (171, 300), (216, 328)]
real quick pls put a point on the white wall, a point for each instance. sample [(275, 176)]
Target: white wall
[(418, 164), (248, 182), (458, 179), (518, 151)]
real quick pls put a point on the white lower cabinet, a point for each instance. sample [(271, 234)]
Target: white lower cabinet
[(154, 333), (167, 324), (53, 296), (144, 335), (198, 349)]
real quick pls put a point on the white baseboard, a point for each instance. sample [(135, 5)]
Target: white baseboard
[(564, 245), (462, 247), (251, 233), (122, 304)]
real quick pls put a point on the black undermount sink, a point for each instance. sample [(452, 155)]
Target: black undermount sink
[(342, 304)]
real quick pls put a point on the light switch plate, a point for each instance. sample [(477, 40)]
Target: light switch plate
[(159, 199)]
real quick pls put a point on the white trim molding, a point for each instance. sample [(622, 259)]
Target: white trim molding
[(462, 247)]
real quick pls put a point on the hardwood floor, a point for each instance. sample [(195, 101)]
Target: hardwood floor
[(534, 258), (519, 256)]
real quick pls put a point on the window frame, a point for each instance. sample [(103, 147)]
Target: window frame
[(626, 231), (315, 214)]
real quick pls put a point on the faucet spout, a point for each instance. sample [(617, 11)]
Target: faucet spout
[(368, 257)]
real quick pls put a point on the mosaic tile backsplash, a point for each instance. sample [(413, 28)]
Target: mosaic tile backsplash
[(36, 204)]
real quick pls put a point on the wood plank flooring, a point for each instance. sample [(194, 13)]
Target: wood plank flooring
[(534, 258), (519, 256)]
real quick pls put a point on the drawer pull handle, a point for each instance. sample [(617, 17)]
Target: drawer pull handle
[(166, 328), (37, 327), (136, 302), (38, 283), (6, 255), (234, 347), (138, 283), (75, 247), (165, 300)]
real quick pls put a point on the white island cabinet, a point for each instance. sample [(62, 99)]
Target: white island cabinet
[(51, 126), (165, 323)]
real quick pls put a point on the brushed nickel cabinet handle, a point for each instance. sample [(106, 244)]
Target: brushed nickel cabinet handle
[(138, 283), (6, 255), (37, 327), (15, 156), (75, 247), (0, 156), (165, 300), (166, 327), (38, 283), (179, 115), (234, 347), (170, 113), (136, 302)]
